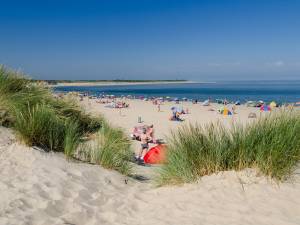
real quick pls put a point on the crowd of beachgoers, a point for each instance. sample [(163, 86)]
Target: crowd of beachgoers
[(119, 102), (68, 160), (108, 98), (171, 109)]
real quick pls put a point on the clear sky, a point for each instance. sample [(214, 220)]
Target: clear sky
[(152, 39)]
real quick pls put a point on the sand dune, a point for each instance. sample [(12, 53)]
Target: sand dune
[(44, 188)]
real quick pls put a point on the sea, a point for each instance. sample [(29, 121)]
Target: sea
[(283, 91)]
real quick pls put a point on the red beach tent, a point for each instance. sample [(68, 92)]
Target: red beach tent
[(156, 155)]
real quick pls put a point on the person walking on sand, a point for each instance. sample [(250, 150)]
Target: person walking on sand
[(144, 146), (158, 106)]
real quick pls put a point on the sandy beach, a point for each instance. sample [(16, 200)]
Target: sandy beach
[(162, 125), (44, 188), (150, 112)]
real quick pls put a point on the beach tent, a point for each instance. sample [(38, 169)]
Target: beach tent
[(265, 108), (206, 103), (226, 112), (237, 103), (177, 109), (156, 155), (273, 104), (251, 104)]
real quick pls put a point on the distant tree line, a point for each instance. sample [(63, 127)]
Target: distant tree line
[(116, 80)]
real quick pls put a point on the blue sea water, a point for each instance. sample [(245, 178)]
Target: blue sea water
[(280, 91)]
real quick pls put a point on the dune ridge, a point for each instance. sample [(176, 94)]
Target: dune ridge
[(44, 188)]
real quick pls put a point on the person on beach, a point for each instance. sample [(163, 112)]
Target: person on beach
[(233, 108), (150, 133), (158, 106), (144, 146), (187, 111), (225, 102)]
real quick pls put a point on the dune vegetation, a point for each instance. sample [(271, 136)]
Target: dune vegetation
[(54, 124), (110, 148), (271, 145)]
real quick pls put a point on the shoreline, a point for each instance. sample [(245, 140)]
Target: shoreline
[(90, 84)]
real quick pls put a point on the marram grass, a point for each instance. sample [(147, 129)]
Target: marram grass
[(271, 145), (39, 125), (54, 124), (110, 148)]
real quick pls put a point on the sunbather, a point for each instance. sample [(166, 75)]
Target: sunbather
[(150, 133), (144, 146)]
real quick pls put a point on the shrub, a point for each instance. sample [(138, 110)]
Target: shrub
[(271, 144)]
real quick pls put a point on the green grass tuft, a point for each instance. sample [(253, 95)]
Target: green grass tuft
[(271, 144), (55, 124), (72, 137), (110, 149), (40, 126)]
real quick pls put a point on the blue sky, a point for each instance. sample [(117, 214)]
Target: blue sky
[(152, 39)]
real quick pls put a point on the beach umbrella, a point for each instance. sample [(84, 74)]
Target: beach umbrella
[(156, 155), (273, 104), (265, 108), (174, 109), (177, 109), (260, 103), (206, 103)]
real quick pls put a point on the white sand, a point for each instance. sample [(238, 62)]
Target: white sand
[(160, 120), (162, 125), (44, 188)]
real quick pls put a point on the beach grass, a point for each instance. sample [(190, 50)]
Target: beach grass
[(57, 124), (109, 148), (271, 145), (38, 125), (38, 117), (72, 137)]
